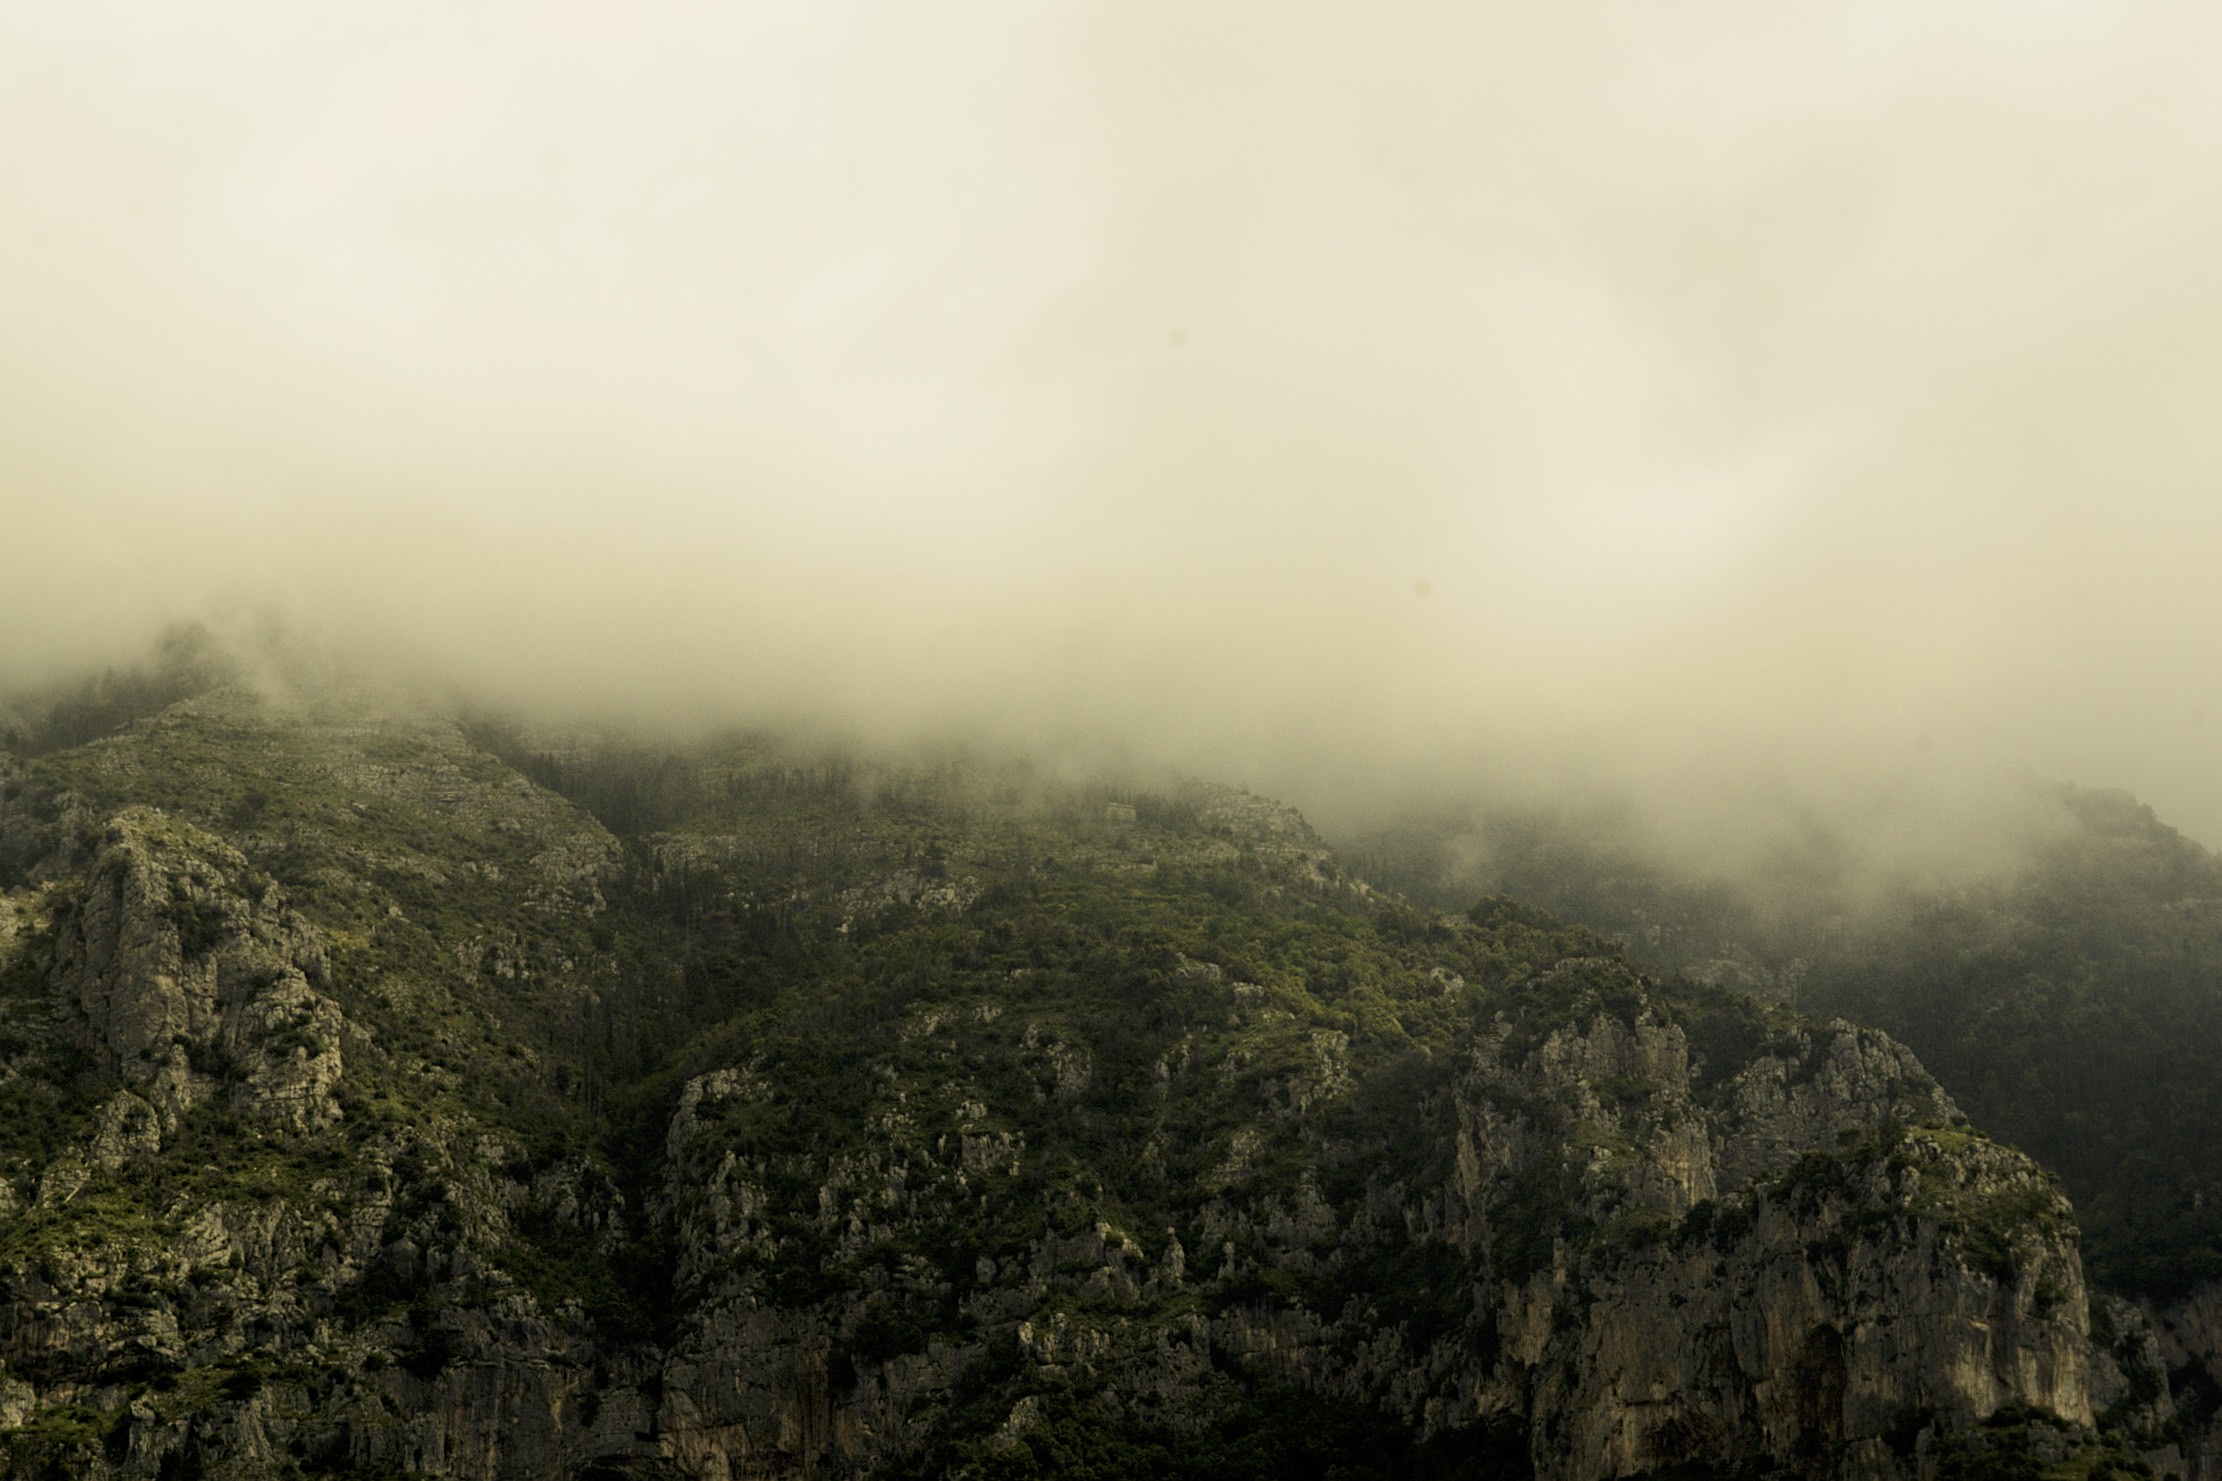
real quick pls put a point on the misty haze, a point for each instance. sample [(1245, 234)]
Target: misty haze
[(1096, 739)]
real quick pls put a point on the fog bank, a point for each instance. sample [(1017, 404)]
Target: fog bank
[(1758, 410)]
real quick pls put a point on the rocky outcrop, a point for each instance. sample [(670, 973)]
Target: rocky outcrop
[(1781, 1270), (182, 974), (2170, 1388), (1786, 1268)]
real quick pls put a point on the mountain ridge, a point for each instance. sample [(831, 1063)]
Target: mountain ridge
[(941, 1121)]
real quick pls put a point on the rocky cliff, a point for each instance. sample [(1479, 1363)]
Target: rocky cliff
[(371, 1109)]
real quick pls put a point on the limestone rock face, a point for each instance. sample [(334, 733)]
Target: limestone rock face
[(1773, 1268), (179, 974), (1817, 1289), (2185, 1341)]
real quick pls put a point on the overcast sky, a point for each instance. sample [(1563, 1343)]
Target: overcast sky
[(1716, 399)]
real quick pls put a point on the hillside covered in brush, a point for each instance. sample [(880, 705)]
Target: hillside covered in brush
[(389, 1095)]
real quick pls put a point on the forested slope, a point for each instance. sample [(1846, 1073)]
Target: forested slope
[(394, 1096)]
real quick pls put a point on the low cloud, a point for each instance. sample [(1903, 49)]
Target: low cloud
[(1753, 411)]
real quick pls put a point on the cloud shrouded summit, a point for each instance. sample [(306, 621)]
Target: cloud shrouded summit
[(1711, 399)]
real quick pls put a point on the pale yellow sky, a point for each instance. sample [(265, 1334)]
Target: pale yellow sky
[(1702, 397)]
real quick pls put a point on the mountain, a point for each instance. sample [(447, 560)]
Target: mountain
[(387, 1095)]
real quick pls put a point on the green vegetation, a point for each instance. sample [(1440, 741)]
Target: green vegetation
[(628, 1042), (187, 661), (58, 1443), (2018, 1443)]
